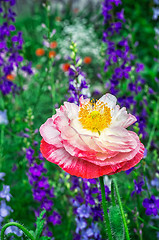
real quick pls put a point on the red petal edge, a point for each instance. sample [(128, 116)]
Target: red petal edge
[(82, 168)]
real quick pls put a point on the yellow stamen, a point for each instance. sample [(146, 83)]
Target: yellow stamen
[(95, 116)]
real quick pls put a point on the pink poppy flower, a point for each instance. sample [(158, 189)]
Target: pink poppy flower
[(91, 140)]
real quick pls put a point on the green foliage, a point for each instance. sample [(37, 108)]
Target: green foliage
[(116, 223), (39, 226)]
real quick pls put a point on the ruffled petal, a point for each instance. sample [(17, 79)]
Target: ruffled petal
[(119, 157), (73, 165), (50, 134), (71, 110), (117, 139), (134, 161), (120, 118)]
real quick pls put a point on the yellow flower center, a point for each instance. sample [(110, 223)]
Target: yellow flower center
[(95, 116)]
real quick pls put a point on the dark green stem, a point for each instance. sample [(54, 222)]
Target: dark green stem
[(25, 231), (121, 209), (105, 209)]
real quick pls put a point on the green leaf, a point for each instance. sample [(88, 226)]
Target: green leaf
[(32, 233), (116, 223), (39, 225)]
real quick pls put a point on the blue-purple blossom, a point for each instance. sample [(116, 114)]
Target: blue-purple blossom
[(155, 182), (28, 68), (2, 175), (37, 169), (80, 224), (5, 193), (151, 205), (3, 117), (138, 187), (84, 211), (55, 218), (129, 170), (29, 154), (4, 209), (47, 204)]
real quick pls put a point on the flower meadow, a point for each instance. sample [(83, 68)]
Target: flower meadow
[(79, 117)]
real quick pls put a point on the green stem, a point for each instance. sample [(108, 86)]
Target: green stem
[(121, 209), (25, 231), (105, 208), (112, 194)]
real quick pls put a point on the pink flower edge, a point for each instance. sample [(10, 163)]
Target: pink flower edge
[(82, 168)]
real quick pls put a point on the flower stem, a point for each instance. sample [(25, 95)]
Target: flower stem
[(112, 194), (25, 231), (105, 208), (121, 209)]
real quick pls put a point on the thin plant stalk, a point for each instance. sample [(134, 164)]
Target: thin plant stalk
[(105, 209), (121, 209)]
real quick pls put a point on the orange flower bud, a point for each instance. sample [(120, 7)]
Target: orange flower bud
[(10, 77), (87, 60), (65, 67), (52, 54), (53, 44), (40, 52)]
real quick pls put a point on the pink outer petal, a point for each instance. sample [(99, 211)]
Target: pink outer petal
[(73, 165), (133, 162), (81, 168), (50, 134)]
